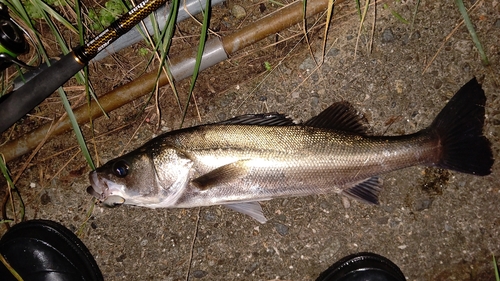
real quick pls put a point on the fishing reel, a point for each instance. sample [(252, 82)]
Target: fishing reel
[(12, 41)]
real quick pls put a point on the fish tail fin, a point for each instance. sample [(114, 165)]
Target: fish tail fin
[(459, 127)]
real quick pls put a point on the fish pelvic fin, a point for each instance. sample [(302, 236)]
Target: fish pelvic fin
[(252, 209), (366, 191), (459, 128)]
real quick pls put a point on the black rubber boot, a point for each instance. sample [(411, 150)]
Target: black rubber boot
[(363, 267), (45, 250)]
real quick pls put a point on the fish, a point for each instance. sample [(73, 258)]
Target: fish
[(247, 159)]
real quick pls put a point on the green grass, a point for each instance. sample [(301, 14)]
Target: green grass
[(49, 13), (495, 267), (17, 211), (472, 31), (103, 17)]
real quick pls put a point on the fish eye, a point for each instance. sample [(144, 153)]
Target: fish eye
[(120, 168)]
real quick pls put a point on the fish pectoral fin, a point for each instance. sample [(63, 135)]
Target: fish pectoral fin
[(252, 209), (366, 191), (224, 174)]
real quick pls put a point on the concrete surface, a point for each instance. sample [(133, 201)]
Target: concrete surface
[(436, 225)]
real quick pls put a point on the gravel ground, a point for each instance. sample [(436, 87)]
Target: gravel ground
[(434, 224)]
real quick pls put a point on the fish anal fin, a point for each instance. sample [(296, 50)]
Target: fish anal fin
[(341, 116), (223, 174), (366, 191), (252, 209)]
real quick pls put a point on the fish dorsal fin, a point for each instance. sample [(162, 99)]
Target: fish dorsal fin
[(224, 174), (252, 209), (341, 116), (264, 119), (366, 191)]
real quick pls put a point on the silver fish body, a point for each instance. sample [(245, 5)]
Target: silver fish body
[(259, 157)]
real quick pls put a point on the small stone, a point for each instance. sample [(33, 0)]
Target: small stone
[(423, 204), (333, 52), (324, 205), (281, 229), (252, 268), (466, 67), (314, 102), (281, 218), (238, 12), (280, 99), (497, 23), (121, 258), (383, 220), (463, 46), (438, 84), (221, 116), (209, 216), (448, 227), (199, 274), (416, 35), (394, 223), (329, 249), (399, 86), (45, 199), (387, 36), (307, 64), (262, 7), (388, 209), (345, 202)]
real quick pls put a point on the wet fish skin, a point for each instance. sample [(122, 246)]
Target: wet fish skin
[(259, 157)]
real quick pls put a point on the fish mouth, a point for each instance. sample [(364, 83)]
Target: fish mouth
[(100, 189)]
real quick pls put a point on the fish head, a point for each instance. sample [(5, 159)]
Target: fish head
[(124, 180), (152, 176)]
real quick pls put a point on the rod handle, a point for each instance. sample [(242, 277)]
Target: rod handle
[(20, 102)]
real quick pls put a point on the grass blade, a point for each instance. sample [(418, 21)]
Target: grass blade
[(12, 188), (76, 128), (472, 31), (358, 8), (48, 10), (495, 266), (164, 41), (62, 94), (199, 55)]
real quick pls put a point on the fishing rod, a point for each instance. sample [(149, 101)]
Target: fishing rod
[(181, 66), (161, 16), (20, 102)]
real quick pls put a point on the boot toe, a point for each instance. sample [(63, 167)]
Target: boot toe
[(363, 267), (45, 250)]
